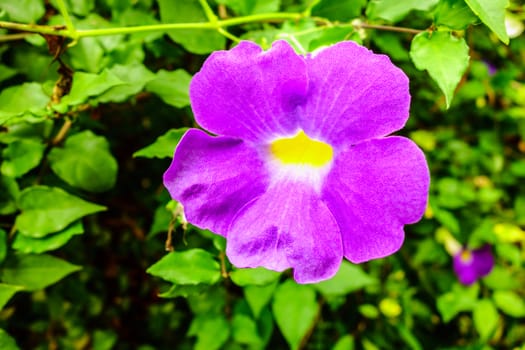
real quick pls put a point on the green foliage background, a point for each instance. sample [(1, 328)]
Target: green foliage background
[(93, 100)]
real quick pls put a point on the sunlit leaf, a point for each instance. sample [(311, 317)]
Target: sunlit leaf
[(86, 85), (25, 11), (192, 266), (134, 76), (444, 56), (198, 41), (457, 300), (6, 293), (486, 318), (348, 279), (26, 244), (7, 342), (338, 10), (492, 13), (9, 192), (211, 331), (95, 173), (295, 309), (396, 10), (47, 209), (21, 156), (510, 303), (254, 276), (34, 272), (164, 145), (171, 86), (21, 99), (454, 14), (258, 297)]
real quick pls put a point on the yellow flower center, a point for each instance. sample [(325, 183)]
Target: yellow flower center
[(302, 150), (466, 256)]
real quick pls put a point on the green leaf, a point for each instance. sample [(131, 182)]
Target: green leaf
[(501, 278), (212, 331), (510, 303), (251, 7), (25, 131), (444, 56), (330, 36), (346, 342), (21, 156), (81, 7), (135, 76), (185, 291), (48, 209), (457, 300), (3, 245), (24, 11), (424, 139), (337, 10), (164, 146), (85, 162), (6, 72), (7, 342), (35, 272), (369, 311), (135, 17), (349, 278), (258, 297), (9, 192), (25, 244), (295, 309), (86, 85), (199, 41), (255, 276), (394, 11), (392, 45), (161, 221), (408, 336), (87, 55), (492, 13), (192, 266), (22, 99), (172, 87), (454, 14), (104, 339), (6, 293), (244, 330), (486, 318)]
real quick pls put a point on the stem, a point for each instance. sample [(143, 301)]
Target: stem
[(13, 37), (35, 28), (60, 31), (387, 28), (222, 260), (61, 135), (64, 12), (208, 11), (229, 35)]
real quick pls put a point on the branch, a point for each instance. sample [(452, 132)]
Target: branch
[(80, 33)]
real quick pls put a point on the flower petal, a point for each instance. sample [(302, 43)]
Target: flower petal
[(213, 177), (286, 227), (483, 260), (248, 93), (479, 265), (354, 95), (375, 188)]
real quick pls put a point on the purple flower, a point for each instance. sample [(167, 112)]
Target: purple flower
[(471, 265), (301, 173)]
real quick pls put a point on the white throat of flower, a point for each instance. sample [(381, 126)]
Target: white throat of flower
[(300, 158)]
